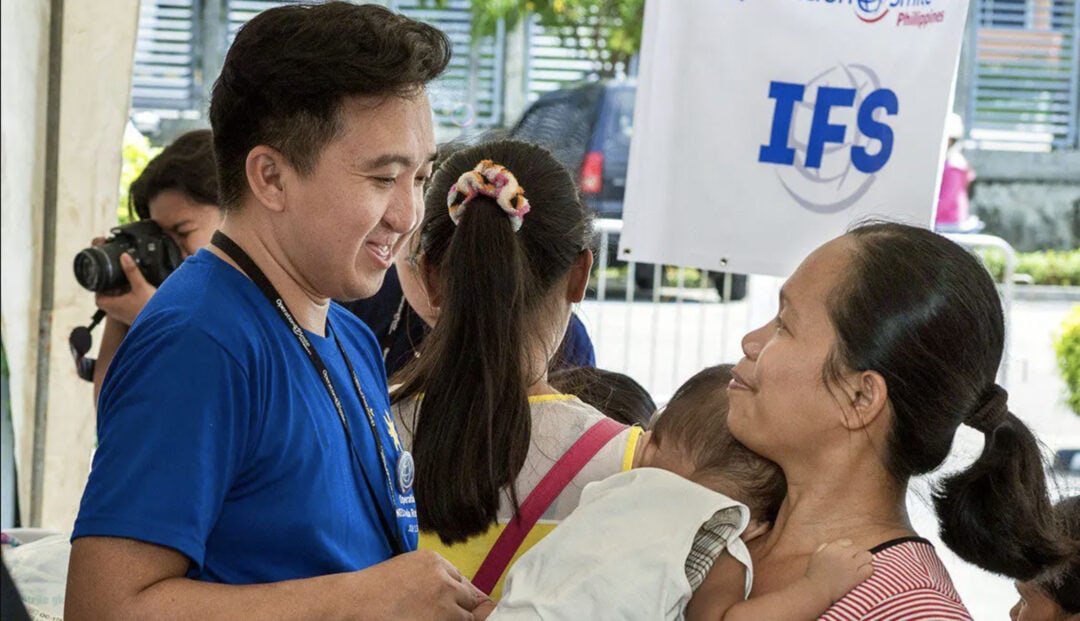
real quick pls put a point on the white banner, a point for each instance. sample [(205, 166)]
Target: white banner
[(763, 128)]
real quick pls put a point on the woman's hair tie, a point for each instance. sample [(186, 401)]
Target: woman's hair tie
[(991, 412), (491, 180)]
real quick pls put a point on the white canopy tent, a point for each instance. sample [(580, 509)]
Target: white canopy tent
[(66, 88)]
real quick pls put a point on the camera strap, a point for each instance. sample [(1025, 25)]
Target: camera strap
[(79, 343), (237, 254)]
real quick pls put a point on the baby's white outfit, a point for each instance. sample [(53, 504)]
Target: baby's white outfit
[(637, 546)]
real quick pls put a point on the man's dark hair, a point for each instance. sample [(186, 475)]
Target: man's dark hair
[(695, 421), (186, 165), (290, 68)]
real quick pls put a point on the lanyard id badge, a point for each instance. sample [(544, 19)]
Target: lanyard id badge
[(405, 467)]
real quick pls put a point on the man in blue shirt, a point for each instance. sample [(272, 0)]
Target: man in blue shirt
[(248, 466)]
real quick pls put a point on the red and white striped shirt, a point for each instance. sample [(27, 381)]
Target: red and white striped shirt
[(909, 584)]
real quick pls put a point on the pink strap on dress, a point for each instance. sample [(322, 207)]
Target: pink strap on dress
[(545, 493)]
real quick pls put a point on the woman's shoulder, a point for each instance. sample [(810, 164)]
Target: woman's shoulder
[(558, 421), (562, 415), (908, 578)]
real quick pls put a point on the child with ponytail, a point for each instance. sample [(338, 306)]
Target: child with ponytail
[(501, 456)]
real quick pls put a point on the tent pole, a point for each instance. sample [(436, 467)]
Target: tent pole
[(48, 258)]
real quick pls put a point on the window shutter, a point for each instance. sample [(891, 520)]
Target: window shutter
[(1025, 74), (559, 57), (163, 75)]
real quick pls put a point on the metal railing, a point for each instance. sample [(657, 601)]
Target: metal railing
[(975, 241), (670, 323), (683, 321)]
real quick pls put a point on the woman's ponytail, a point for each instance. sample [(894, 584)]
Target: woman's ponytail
[(503, 225), (997, 514), (473, 425)]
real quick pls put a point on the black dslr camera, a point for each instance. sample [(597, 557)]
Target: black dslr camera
[(98, 268)]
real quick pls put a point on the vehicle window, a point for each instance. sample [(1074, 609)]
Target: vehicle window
[(620, 124), (562, 123)]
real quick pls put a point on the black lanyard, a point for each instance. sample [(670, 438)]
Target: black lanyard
[(387, 341), (237, 254)]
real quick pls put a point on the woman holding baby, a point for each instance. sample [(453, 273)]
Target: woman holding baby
[(886, 341)]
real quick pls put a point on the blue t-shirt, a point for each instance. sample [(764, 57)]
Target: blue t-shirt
[(218, 439), (577, 347)]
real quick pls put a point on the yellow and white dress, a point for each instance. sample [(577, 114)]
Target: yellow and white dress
[(557, 423)]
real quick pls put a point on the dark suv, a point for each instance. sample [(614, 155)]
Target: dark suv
[(588, 128)]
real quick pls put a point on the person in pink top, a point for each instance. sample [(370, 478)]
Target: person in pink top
[(954, 202), (887, 339)]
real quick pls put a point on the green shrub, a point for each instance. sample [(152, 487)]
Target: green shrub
[(1050, 267), (1067, 347), (137, 153)]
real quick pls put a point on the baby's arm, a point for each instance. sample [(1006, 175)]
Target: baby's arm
[(722, 589), (834, 569)]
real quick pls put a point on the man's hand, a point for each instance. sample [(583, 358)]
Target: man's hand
[(126, 306), (484, 610), (837, 567), (423, 585)]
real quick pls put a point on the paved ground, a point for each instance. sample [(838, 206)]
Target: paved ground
[(662, 345)]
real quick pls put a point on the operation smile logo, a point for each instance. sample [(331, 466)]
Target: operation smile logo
[(871, 11), (917, 13)]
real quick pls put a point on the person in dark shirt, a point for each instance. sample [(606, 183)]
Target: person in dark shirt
[(12, 605)]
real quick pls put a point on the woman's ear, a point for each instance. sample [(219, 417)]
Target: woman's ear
[(414, 286), (579, 277), (868, 398), (265, 167)]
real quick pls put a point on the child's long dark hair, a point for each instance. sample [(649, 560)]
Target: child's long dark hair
[(497, 291), (924, 313)]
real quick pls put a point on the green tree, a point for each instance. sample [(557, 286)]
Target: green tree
[(615, 25), (1067, 347), (137, 153)]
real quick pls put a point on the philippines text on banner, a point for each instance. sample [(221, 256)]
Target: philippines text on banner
[(766, 127)]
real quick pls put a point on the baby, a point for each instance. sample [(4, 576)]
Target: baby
[(640, 543)]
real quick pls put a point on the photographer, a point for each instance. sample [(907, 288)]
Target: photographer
[(178, 190)]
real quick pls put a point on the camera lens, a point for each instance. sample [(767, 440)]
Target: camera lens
[(98, 268), (94, 270)]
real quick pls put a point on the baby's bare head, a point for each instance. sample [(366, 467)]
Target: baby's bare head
[(692, 431)]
